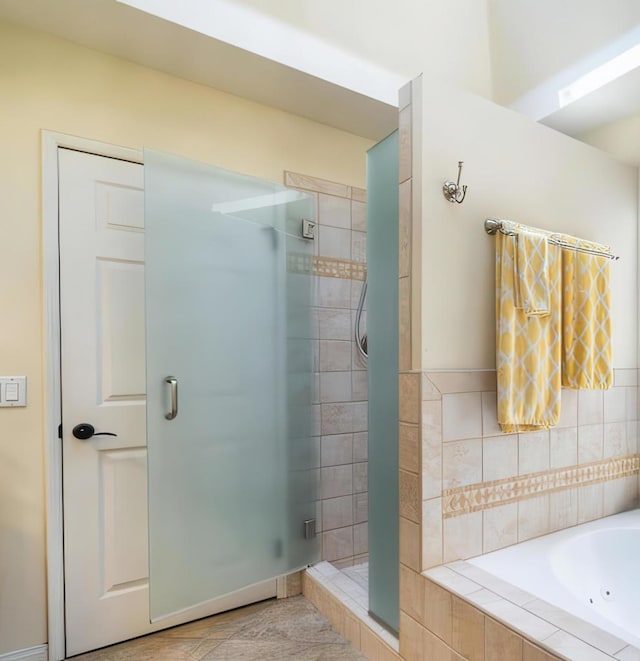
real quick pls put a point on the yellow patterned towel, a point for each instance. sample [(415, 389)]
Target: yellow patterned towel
[(528, 348), (586, 322), (532, 278)]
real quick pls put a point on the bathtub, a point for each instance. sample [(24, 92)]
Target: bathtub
[(591, 570)]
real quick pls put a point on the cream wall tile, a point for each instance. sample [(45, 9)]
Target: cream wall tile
[(370, 644), (359, 246), (462, 536), (316, 420), (410, 639), (501, 643), (337, 544), (533, 452), (467, 630), (615, 439), (334, 242), (437, 610), (620, 495), (409, 496), (461, 416), (499, 457), (404, 324), (358, 216), (625, 377), (615, 405), (533, 517), (334, 324), (360, 507), (334, 292), (408, 447), (490, 426), (404, 131), (631, 403), (315, 348), (431, 449), (360, 446), (335, 355), (409, 544), (409, 397), (590, 407), (532, 653), (333, 211), (590, 443), (356, 290), (568, 408), (412, 593), (295, 180), (431, 533), (337, 512), (461, 463), (632, 437), (334, 386), (360, 538), (359, 386), (435, 649), (360, 477), (429, 390), (336, 419), (563, 447), (336, 481), (590, 502), (521, 620), (360, 416), (404, 229), (563, 509), (315, 388), (358, 194), (499, 527), (336, 449)]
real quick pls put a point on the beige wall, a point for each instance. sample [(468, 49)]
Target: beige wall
[(51, 84), (521, 170)]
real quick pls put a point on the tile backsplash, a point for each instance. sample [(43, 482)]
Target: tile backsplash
[(340, 377)]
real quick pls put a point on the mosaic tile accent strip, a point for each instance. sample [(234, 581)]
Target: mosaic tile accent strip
[(326, 267), (485, 495)]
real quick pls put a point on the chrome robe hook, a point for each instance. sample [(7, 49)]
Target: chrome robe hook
[(453, 192)]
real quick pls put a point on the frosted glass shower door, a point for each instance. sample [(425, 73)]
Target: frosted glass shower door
[(228, 286)]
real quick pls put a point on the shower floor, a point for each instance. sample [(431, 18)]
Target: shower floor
[(359, 574)]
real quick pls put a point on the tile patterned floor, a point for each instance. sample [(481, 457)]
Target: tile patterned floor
[(272, 630)]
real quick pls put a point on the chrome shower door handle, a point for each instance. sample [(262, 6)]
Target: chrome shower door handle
[(173, 383)]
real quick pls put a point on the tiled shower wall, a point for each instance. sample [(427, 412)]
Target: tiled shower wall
[(340, 393)]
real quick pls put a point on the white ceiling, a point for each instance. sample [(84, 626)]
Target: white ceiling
[(114, 28)]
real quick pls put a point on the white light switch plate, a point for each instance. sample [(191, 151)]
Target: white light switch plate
[(17, 393)]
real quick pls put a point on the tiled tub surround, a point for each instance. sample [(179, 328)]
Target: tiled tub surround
[(478, 490), (340, 393)]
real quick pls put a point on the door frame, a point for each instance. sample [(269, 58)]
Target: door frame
[(50, 143)]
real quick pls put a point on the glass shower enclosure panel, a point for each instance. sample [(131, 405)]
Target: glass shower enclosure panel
[(229, 361), (382, 331)]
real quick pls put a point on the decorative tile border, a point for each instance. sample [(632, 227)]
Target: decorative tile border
[(326, 267), (317, 185), (485, 495)]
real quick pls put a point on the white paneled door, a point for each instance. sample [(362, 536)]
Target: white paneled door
[(103, 385)]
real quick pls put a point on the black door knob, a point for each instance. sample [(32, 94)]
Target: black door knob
[(84, 430)]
